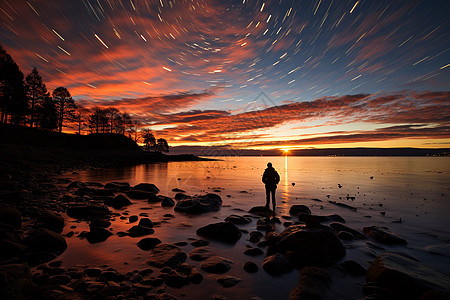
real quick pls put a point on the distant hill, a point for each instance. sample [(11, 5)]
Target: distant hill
[(224, 151), (15, 135)]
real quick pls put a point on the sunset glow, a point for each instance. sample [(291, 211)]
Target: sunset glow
[(248, 74)]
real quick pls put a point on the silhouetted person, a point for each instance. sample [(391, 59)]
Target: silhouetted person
[(270, 179)]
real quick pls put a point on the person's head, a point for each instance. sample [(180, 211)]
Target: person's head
[(269, 165)]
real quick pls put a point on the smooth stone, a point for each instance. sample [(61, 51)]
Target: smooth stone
[(146, 222), (133, 219), (148, 243), (339, 227), (261, 211), (45, 240), (223, 231), (405, 278), (76, 185), (167, 201), (153, 198), (383, 236), (254, 252), (97, 235), (118, 202), (239, 220), (88, 212), (251, 267), (121, 186), (228, 281), (297, 209), (52, 221), (11, 216), (139, 195), (200, 254), (166, 255), (138, 230), (147, 187), (277, 264), (312, 284), (353, 268), (100, 223), (199, 204), (216, 265), (199, 243), (181, 196), (102, 193)]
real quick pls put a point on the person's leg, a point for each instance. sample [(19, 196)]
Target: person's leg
[(273, 199), (267, 197)]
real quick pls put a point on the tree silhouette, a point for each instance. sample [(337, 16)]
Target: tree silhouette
[(47, 114), (149, 139), (80, 117), (36, 91), (113, 116), (13, 101), (161, 146), (64, 104), (97, 120)]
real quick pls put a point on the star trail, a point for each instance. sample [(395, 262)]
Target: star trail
[(184, 67)]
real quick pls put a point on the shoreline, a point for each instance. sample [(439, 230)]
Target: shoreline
[(44, 189)]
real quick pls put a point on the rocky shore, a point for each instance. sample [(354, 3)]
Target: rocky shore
[(36, 203)]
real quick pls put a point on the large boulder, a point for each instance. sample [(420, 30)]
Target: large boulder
[(405, 278), (88, 212), (216, 265), (45, 240), (148, 243), (118, 202), (120, 186), (166, 255), (52, 221), (11, 216), (223, 231), (303, 247), (199, 204), (277, 264), (15, 281), (383, 236), (146, 187), (140, 195)]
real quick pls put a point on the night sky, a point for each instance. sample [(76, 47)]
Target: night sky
[(248, 73)]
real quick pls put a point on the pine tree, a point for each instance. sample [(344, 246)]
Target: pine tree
[(36, 91)]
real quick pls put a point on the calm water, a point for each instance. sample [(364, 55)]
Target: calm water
[(415, 189)]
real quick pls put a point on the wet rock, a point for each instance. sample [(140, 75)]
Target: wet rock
[(239, 220), (52, 221), (146, 187), (181, 196), (199, 204), (297, 209), (11, 216), (228, 281), (383, 236), (344, 228), (405, 278), (120, 186), (34, 259), (133, 219), (92, 272), (223, 231), (277, 264), (177, 190), (162, 296), (100, 223), (167, 201), (346, 236), (343, 205), (140, 195), (255, 236), (15, 281), (353, 268), (10, 249), (200, 254), (261, 211), (139, 230), (97, 235), (88, 212), (76, 185), (45, 240), (216, 265), (311, 220), (312, 284), (199, 243), (146, 222), (12, 197), (253, 252), (166, 255), (148, 243), (173, 279), (102, 193), (153, 198), (118, 202), (318, 247), (251, 267)]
